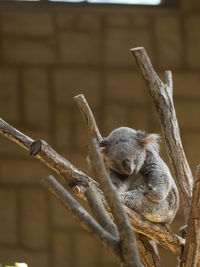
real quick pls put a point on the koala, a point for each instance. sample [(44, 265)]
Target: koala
[(141, 177)]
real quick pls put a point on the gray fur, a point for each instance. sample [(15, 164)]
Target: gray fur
[(150, 189)]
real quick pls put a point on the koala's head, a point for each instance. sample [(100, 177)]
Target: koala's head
[(124, 150)]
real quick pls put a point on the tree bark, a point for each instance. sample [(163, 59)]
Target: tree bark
[(162, 96), (157, 232), (190, 257), (94, 133), (126, 233)]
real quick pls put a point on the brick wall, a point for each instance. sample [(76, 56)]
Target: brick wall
[(50, 53)]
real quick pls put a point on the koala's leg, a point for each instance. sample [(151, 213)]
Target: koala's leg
[(137, 201)]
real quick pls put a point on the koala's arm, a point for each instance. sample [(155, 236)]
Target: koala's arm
[(157, 186)]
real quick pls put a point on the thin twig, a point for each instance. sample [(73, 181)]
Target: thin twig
[(162, 96), (190, 255), (100, 212), (127, 236), (82, 215), (73, 176)]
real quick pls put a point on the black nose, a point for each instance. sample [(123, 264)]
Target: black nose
[(127, 166)]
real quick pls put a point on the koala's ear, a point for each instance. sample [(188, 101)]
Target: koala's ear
[(102, 145), (146, 140)]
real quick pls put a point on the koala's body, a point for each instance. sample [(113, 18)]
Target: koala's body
[(141, 177)]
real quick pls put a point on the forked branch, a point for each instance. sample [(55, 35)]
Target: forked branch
[(162, 97), (82, 215), (157, 232), (148, 256)]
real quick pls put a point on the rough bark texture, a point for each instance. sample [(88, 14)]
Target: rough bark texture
[(73, 176), (88, 117), (99, 211), (190, 257), (149, 255), (82, 215), (126, 233), (93, 132), (162, 97), (126, 249)]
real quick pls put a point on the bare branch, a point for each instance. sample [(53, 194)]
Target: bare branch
[(14, 135), (94, 133), (162, 96), (48, 155), (170, 241), (100, 212), (88, 117), (82, 215), (190, 255), (127, 236), (149, 256), (81, 181)]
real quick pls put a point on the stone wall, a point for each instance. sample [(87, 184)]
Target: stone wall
[(52, 52)]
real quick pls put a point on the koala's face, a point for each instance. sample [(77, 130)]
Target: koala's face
[(124, 150)]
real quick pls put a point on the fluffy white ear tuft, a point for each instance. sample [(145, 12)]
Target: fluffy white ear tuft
[(147, 140)]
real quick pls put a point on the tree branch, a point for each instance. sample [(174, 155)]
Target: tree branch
[(48, 155), (127, 236), (148, 254), (73, 176), (99, 211), (190, 255), (88, 117), (94, 133), (82, 215), (162, 96), (170, 241)]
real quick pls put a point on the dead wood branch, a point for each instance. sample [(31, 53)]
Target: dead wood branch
[(190, 257), (73, 176), (48, 155), (150, 256), (148, 253), (99, 211), (82, 215), (162, 97), (127, 236), (88, 117)]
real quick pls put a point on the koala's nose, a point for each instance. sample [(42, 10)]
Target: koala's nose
[(127, 166)]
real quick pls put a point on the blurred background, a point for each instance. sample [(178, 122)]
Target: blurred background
[(50, 52)]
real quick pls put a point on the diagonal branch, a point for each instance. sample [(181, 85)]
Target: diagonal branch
[(162, 96), (88, 117), (190, 255), (82, 215), (150, 256), (73, 176), (48, 155), (127, 236), (99, 211)]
